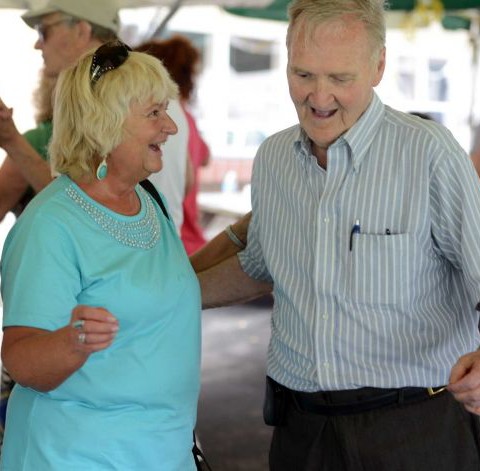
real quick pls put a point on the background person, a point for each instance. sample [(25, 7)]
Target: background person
[(12, 182), (105, 350), (366, 220), (172, 180), (182, 60), (66, 29)]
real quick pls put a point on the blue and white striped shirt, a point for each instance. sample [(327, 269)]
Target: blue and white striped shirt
[(395, 310)]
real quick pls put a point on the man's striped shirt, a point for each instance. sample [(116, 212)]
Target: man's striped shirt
[(391, 305)]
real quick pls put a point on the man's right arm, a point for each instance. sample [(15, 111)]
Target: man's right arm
[(28, 161), (31, 165), (226, 284), (221, 246), (12, 186)]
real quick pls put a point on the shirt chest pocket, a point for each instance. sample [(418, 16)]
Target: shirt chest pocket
[(381, 268)]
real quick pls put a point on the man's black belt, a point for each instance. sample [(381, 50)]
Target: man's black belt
[(359, 400)]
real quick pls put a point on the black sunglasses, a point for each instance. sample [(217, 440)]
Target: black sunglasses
[(107, 57)]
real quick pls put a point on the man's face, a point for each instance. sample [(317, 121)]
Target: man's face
[(331, 75), (59, 42)]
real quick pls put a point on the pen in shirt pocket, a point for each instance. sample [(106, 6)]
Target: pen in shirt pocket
[(355, 230)]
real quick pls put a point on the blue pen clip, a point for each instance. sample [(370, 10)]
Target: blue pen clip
[(355, 230)]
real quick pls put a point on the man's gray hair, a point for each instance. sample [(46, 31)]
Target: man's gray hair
[(316, 12)]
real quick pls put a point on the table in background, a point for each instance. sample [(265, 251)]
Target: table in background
[(218, 209)]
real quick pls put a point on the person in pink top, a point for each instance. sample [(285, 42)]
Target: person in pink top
[(192, 233), (182, 59)]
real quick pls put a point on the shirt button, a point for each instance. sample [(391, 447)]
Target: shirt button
[(326, 219), (326, 364), (325, 316)]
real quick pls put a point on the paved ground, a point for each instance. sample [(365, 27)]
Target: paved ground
[(230, 425)]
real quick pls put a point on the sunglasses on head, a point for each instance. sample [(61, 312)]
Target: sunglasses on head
[(107, 57)]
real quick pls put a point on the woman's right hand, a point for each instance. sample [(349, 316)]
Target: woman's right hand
[(93, 328), (42, 359)]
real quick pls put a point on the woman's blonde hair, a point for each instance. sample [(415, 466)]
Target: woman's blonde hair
[(88, 118)]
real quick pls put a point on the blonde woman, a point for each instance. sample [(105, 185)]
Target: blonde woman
[(101, 306)]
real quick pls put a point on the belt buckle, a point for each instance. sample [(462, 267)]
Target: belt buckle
[(434, 391)]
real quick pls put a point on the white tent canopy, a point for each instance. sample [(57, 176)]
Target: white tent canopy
[(172, 5), (25, 4)]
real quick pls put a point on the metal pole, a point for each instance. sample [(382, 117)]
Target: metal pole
[(474, 41), (173, 9)]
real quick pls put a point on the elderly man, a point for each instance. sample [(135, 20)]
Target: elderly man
[(367, 221)]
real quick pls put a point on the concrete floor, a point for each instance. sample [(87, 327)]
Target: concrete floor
[(230, 425)]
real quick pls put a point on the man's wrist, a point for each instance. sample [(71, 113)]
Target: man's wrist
[(234, 237), (15, 145)]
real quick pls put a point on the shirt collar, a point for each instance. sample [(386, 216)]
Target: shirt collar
[(360, 136), (302, 145)]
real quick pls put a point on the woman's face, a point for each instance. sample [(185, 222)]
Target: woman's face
[(146, 129)]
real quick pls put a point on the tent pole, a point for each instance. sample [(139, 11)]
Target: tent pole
[(173, 9), (474, 34)]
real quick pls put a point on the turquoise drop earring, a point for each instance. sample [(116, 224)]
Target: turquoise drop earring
[(102, 169)]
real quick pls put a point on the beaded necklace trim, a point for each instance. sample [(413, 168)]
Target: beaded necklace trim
[(141, 233)]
